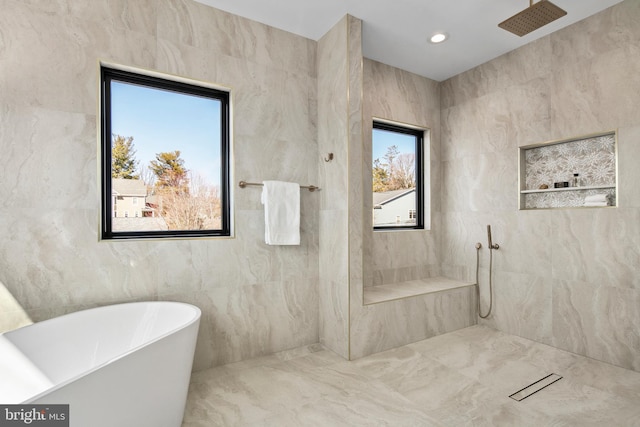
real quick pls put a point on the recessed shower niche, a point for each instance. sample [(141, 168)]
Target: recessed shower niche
[(575, 172)]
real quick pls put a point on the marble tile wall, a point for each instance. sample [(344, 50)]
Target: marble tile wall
[(357, 185), (256, 299), (334, 226), (403, 97), (569, 277)]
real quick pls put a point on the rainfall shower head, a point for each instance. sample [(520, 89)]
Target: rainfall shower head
[(535, 16)]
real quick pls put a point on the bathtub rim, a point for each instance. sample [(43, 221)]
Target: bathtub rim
[(196, 319)]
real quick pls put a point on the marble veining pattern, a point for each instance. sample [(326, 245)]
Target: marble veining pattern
[(398, 95), (461, 379), (333, 137), (566, 277), (255, 299)]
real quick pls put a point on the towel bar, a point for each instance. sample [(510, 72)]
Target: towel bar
[(243, 184)]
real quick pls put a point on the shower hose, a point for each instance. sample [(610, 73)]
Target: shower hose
[(478, 246)]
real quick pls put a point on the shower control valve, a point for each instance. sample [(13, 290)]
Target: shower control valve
[(491, 244)]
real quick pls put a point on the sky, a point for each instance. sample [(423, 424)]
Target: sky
[(161, 121), (383, 139)]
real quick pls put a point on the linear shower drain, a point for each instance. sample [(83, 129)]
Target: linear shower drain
[(535, 387)]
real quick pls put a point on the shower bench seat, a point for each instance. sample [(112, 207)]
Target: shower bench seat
[(394, 291)]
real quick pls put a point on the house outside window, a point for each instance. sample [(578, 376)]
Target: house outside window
[(127, 192)]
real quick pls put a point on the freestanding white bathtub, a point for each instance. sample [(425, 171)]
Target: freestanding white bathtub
[(125, 365)]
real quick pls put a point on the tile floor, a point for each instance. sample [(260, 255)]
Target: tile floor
[(462, 378)]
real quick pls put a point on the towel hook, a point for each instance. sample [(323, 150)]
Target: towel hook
[(329, 158)]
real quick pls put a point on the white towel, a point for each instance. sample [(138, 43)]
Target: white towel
[(596, 204), (281, 202), (596, 198)]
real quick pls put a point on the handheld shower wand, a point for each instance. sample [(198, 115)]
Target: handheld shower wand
[(492, 246)]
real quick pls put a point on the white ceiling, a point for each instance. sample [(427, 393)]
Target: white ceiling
[(396, 32)]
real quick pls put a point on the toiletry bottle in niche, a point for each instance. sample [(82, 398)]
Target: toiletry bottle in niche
[(576, 180)]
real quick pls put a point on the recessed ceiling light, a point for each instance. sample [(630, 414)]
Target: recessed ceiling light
[(438, 38)]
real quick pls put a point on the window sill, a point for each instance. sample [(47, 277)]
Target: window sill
[(412, 288)]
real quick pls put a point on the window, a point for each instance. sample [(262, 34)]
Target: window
[(398, 170), (164, 157)]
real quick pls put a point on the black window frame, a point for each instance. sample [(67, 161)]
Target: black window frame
[(107, 75), (419, 171)]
